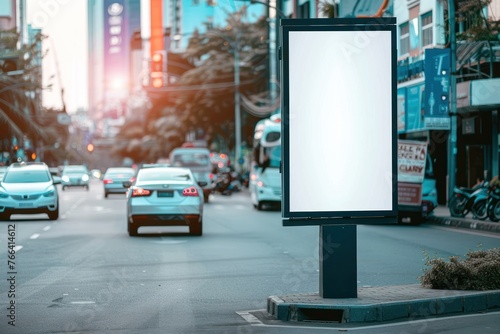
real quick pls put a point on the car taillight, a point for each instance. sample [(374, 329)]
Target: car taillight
[(132, 179), (107, 181), (138, 192), (211, 176), (191, 191), (260, 184)]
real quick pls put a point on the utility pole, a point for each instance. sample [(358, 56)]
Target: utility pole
[(237, 113), (452, 138)]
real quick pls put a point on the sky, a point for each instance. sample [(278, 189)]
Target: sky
[(64, 22), (65, 65)]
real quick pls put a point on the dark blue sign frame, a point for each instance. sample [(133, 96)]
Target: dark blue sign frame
[(361, 214)]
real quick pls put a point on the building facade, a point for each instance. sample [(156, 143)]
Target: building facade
[(460, 123)]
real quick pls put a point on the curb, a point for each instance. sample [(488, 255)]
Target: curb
[(468, 302), (464, 223)]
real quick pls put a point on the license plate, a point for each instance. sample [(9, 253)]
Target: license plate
[(25, 205), (165, 194)]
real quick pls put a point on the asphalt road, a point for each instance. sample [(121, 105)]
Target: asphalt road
[(84, 274)]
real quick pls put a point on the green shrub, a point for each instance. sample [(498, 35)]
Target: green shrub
[(480, 270)]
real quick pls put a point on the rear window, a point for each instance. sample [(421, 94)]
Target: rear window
[(191, 160), (163, 174), (120, 172)]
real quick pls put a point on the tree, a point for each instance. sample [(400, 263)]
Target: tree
[(21, 114), (203, 97), (477, 27)]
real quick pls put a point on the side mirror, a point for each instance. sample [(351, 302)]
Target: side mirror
[(127, 184), (202, 183), (56, 179)]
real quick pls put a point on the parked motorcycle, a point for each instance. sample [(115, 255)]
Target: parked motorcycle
[(474, 200), (493, 204)]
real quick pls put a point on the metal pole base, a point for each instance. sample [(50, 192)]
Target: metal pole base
[(338, 261)]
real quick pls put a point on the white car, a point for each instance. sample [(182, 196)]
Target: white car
[(28, 188), (197, 159), (75, 176), (165, 196), (113, 180)]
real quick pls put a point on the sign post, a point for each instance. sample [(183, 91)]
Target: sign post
[(339, 107)]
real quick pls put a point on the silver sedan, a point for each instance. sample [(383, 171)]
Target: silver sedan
[(165, 196)]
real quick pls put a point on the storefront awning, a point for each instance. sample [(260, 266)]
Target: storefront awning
[(469, 53)]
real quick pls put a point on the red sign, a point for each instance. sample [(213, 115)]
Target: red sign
[(409, 193)]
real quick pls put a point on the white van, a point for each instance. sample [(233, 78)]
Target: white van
[(265, 175), (198, 160)]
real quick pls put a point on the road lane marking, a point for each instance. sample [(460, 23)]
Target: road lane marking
[(46, 228), (83, 302), (250, 318), (34, 236), (17, 248)]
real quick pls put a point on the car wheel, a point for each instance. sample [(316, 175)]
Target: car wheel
[(54, 215), (205, 198), (106, 195), (260, 206), (64, 188), (4, 216), (132, 231), (87, 188), (196, 229)]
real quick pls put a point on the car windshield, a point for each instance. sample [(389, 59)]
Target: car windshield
[(192, 160), (26, 176), (74, 170)]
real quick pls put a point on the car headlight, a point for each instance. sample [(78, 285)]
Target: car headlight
[(85, 177), (49, 193), (3, 194), (65, 178)]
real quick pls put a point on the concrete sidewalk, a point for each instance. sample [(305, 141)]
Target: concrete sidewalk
[(402, 302), (378, 304)]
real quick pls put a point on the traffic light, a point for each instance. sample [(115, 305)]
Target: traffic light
[(157, 63), (157, 82), (157, 70), (90, 147)]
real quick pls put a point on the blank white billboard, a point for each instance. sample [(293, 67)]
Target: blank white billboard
[(339, 122)]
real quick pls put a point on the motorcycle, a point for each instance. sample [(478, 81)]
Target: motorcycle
[(493, 204), (222, 182), (474, 200)]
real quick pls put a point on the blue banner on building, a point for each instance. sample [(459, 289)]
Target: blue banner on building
[(437, 89), (116, 47), (415, 108)]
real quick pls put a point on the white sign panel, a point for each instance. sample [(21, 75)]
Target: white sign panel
[(411, 161), (339, 112)]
